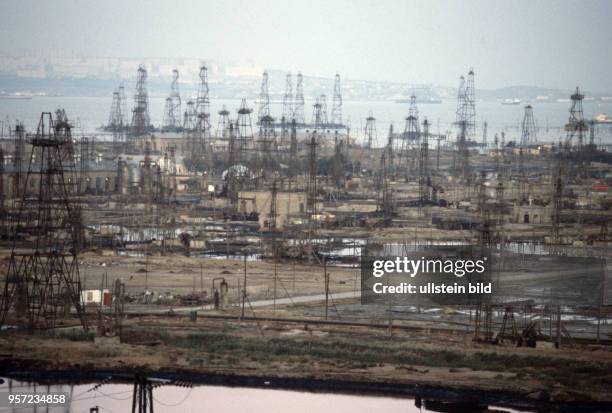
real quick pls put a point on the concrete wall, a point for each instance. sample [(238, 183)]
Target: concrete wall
[(531, 214), (287, 204)]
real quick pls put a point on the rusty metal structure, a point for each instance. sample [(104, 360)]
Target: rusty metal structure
[(267, 145), (385, 197), (298, 103), (311, 189), (288, 100), (466, 125), (319, 113), (224, 123), (528, 128), (141, 122), (411, 137), (42, 280), (569, 164), (118, 122), (370, 131), (244, 126), (264, 100), (200, 136), (172, 111), (336, 113), (424, 176)]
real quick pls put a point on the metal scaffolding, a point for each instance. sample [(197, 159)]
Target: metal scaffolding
[(42, 281)]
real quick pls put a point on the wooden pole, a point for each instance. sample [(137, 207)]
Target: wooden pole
[(326, 278), (244, 287)]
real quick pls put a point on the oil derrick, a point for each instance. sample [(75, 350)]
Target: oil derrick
[(288, 100), (338, 162), (273, 207), (319, 113), (485, 144), (202, 109), (311, 189), (266, 129), (499, 214), (189, 125), (233, 150), (412, 132), (159, 190), (5, 126), (172, 111), (336, 113), (87, 156), (42, 281), (485, 227), (117, 120), (576, 126), (18, 157), (557, 197), (576, 129), (465, 121), (528, 137), (528, 128), (224, 123), (592, 145), (384, 204), (264, 100), (233, 158), (522, 177), (287, 109), (390, 153), (370, 131), (298, 103), (267, 142), (190, 117), (147, 169), (115, 117), (245, 127), (293, 145), (424, 178), (470, 100), (141, 123)]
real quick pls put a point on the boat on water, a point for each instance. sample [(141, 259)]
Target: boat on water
[(514, 101), (602, 118)]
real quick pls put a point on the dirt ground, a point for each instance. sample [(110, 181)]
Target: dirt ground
[(277, 350), (178, 274)]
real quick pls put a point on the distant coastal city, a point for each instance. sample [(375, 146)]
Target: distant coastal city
[(66, 74)]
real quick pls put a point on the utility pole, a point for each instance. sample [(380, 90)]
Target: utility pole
[(244, 287), (275, 273), (202, 279), (326, 278)]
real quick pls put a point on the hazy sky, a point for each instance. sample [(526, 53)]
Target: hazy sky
[(553, 43)]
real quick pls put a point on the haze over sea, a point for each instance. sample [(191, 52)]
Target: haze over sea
[(89, 113)]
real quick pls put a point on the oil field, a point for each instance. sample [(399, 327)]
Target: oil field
[(226, 248)]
